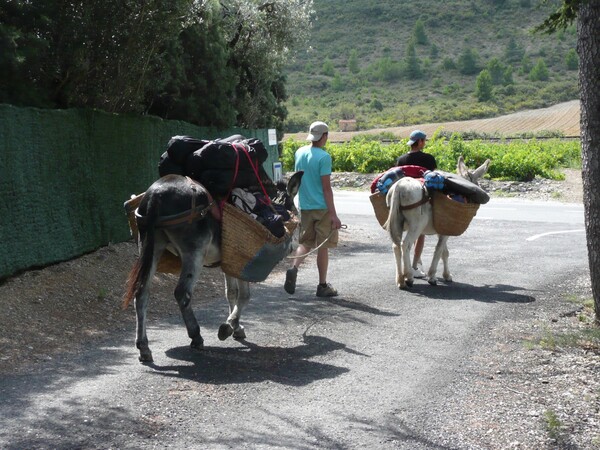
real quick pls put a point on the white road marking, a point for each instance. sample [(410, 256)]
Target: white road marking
[(537, 236)]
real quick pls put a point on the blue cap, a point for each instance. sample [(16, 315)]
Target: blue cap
[(415, 136)]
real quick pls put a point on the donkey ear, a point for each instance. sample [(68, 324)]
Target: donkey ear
[(481, 170), (293, 184), (461, 168)]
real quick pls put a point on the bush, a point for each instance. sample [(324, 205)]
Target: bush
[(520, 160)]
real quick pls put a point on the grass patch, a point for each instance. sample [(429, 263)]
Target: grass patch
[(587, 338), (553, 424), (586, 335), (573, 298), (503, 194), (589, 304)]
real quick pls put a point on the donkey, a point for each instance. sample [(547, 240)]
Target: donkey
[(419, 220), (179, 212)]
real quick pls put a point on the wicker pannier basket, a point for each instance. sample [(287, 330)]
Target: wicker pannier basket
[(248, 249), (130, 207), (380, 207), (451, 218)]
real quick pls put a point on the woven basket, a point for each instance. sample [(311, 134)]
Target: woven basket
[(451, 218), (380, 207), (248, 249), (130, 207)]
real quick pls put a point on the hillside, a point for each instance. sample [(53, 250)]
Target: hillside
[(562, 118), (393, 64)]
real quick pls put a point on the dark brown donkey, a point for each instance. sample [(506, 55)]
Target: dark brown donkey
[(178, 212)]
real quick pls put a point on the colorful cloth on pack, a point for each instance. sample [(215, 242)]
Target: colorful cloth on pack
[(434, 180), (385, 181), (394, 174)]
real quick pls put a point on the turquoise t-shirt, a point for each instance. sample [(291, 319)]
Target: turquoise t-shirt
[(315, 162)]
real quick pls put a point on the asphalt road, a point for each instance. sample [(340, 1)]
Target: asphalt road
[(362, 370)]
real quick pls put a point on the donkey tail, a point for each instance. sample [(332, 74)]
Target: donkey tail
[(395, 221), (138, 276)]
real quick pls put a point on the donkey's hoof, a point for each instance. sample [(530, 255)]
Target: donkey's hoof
[(225, 330), (146, 356), (197, 343), (409, 283), (239, 333), (432, 281)]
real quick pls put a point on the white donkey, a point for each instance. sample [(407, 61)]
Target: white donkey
[(411, 210)]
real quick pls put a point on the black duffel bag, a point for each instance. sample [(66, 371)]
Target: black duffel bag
[(221, 181), (225, 155), (180, 147), (166, 166)]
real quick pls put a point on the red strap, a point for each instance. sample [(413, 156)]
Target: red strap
[(235, 174), (254, 168)]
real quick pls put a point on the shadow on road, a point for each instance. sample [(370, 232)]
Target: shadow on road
[(488, 293), (251, 363), (394, 431), (348, 304)]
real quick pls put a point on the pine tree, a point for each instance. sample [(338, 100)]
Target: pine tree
[(419, 34), (353, 61), (467, 62), (483, 86), (571, 60), (412, 65), (539, 72)]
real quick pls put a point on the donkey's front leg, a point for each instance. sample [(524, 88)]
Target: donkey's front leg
[(238, 295), (441, 251), (445, 254)]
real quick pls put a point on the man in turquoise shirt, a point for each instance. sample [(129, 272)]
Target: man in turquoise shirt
[(318, 218)]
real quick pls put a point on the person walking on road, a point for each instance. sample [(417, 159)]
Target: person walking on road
[(417, 157), (319, 223)]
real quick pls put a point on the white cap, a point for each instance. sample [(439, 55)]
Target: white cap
[(317, 130)]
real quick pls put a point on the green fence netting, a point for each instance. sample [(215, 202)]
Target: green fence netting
[(64, 175)]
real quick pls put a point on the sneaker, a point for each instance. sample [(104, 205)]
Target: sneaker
[(418, 273), (290, 280), (326, 291)]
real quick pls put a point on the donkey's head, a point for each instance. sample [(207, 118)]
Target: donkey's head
[(287, 190), (472, 175)]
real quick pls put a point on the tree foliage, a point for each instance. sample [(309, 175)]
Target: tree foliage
[(562, 17), (207, 62), (467, 62), (353, 66), (328, 69), (419, 34), (496, 70), (484, 86), (571, 60), (412, 65), (539, 72)]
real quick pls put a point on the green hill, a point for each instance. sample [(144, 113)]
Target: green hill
[(390, 63)]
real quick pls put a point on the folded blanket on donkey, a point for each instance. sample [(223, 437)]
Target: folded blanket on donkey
[(447, 182)]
